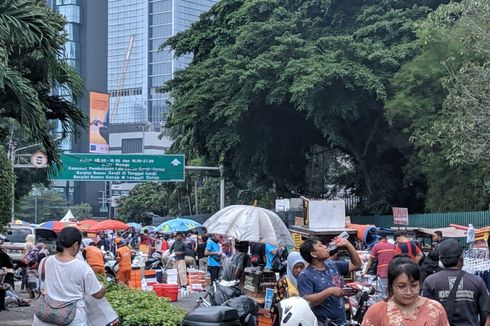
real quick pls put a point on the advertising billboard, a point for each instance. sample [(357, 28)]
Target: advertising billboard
[(99, 126)]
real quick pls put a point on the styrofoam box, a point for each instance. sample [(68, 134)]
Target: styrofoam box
[(326, 214)]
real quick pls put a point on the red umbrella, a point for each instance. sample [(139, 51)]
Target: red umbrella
[(85, 225), (107, 225)]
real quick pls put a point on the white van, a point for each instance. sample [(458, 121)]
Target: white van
[(15, 242)]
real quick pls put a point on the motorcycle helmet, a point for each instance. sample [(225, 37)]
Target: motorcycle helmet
[(295, 311)]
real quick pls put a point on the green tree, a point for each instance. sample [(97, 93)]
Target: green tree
[(438, 96), (32, 41), (50, 206), (7, 179), (462, 128), (271, 80), (81, 211)]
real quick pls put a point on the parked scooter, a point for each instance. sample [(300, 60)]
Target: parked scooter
[(358, 296), (223, 304), (154, 262)]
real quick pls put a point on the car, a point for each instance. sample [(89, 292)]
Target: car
[(15, 240)]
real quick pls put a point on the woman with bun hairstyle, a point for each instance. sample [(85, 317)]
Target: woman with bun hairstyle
[(68, 278), (404, 306)]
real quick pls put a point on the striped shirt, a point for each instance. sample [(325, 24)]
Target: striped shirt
[(384, 252)]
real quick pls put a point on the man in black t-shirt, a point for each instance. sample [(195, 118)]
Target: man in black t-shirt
[(471, 294), (201, 257)]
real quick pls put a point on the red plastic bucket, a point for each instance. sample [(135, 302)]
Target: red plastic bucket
[(170, 291), (158, 289)]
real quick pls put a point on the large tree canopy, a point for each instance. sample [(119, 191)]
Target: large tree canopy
[(272, 79), (32, 42), (441, 102)]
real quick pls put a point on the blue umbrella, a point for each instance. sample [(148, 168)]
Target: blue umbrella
[(136, 226), (177, 225), (149, 228)]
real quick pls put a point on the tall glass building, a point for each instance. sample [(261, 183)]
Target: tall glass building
[(86, 50), (137, 68)]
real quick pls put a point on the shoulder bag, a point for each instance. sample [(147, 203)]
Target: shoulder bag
[(449, 304), (50, 310)]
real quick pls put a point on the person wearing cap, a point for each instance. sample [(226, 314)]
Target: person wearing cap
[(123, 258), (471, 294), (95, 258), (384, 252), (406, 246)]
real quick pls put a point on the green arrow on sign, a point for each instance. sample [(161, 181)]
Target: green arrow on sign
[(128, 168)]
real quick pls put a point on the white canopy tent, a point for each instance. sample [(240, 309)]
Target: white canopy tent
[(68, 217)]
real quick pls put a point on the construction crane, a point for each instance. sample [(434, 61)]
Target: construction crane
[(121, 79), (115, 107)]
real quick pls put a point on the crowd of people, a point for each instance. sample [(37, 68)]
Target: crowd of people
[(419, 289), (415, 293)]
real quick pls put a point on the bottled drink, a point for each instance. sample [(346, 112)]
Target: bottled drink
[(332, 247)]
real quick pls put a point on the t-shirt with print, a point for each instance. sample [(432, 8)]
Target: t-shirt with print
[(471, 295), (384, 252), (213, 260), (312, 281)]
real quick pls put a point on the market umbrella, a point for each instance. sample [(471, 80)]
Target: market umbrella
[(136, 226), (177, 225), (250, 223), (56, 226), (86, 225), (149, 228), (107, 225)]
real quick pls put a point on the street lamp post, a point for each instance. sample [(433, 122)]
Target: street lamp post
[(12, 155)]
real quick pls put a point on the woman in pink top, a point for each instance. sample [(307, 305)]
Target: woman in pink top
[(404, 305)]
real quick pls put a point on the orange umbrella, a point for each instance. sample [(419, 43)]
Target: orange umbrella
[(85, 225), (107, 225)]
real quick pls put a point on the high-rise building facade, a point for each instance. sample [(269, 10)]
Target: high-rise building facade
[(138, 67), (86, 50)]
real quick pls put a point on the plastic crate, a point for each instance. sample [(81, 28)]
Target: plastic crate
[(264, 321)]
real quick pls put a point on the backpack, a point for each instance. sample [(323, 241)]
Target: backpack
[(409, 250)]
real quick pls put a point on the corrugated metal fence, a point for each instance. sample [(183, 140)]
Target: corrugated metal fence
[(432, 220)]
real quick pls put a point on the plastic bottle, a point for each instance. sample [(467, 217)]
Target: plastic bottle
[(332, 247)]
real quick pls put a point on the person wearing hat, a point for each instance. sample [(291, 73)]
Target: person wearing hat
[(123, 258), (471, 294)]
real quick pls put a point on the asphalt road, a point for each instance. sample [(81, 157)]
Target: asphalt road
[(22, 316)]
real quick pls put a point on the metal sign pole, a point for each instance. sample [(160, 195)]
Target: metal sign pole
[(221, 183)]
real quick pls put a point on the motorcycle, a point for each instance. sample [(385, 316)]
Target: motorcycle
[(223, 303), (358, 298), (154, 262)]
